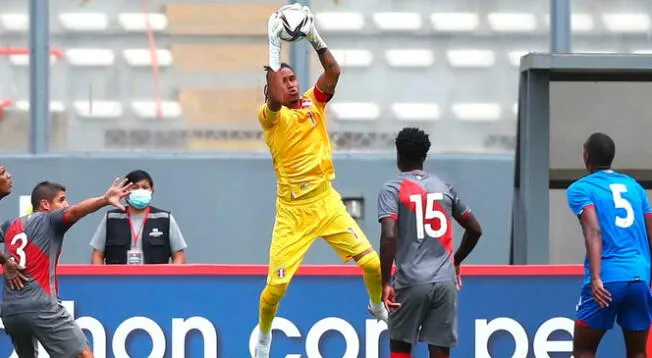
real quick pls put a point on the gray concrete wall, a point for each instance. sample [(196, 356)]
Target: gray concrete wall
[(225, 204)]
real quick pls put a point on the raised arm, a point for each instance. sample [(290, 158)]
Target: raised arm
[(274, 89), (113, 195), (327, 82)]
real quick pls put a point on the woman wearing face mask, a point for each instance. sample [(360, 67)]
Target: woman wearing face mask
[(141, 235)]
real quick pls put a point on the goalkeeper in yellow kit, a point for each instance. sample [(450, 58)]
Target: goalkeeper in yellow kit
[(307, 206)]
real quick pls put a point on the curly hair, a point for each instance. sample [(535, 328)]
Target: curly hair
[(601, 149), (267, 70), (412, 144)]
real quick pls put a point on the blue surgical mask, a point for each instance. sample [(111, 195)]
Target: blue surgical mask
[(140, 198)]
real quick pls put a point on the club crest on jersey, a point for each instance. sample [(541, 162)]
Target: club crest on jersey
[(280, 273), (306, 102)]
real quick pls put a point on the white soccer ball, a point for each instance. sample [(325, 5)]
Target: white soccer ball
[(296, 23)]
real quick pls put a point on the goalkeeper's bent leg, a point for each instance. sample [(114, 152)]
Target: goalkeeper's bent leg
[(370, 265), (269, 301)]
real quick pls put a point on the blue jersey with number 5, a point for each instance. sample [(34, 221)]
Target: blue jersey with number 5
[(621, 205)]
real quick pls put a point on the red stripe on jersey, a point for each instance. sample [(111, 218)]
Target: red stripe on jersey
[(648, 215), (587, 207), (21, 248), (465, 215), (321, 96), (409, 188)]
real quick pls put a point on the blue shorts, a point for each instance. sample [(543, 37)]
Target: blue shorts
[(631, 306)]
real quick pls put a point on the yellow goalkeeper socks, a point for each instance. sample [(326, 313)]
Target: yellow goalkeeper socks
[(370, 264), (269, 301)]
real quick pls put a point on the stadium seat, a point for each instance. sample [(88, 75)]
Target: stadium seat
[(55, 106), (579, 22), (223, 57), (84, 21), (397, 21), (626, 22), (416, 111), (23, 60), (454, 21), (148, 109), (410, 58), (353, 57), (221, 106), (234, 19), (512, 22), (339, 21), (137, 22), (98, 109), (143, 57), (357, 111), (14, 22), (471, 58), (476, 111), (90, 57)]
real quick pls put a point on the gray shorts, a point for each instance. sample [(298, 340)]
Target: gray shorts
[(59, 334), (428, 313)]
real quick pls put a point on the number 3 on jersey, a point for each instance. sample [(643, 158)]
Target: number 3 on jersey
[(617, 191), (17, 245), (423, 219)]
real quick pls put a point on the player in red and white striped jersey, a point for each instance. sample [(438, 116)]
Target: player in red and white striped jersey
[(35, 242)]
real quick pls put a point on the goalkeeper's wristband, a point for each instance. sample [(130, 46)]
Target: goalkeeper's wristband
[(316, 41)]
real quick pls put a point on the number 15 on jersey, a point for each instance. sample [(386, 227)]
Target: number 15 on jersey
[(424, 217)]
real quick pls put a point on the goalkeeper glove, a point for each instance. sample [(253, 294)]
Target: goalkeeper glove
[(274, 28), (313, 36)]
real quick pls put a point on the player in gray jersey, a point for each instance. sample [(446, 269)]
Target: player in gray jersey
[(416, 212), (34, 241), (12, 272)]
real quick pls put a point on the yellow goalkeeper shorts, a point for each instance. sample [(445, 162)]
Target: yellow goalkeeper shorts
[(300, 222)]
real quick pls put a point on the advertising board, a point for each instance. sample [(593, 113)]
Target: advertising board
[(211, 311)]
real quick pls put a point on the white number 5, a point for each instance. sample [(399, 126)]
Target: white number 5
[(20, 249), (430, 214), (617, 191)]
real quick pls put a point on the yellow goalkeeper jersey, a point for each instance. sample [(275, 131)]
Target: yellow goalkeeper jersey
[(299, 144)]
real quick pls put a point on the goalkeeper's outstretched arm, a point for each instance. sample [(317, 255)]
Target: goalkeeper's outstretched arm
[(274, 87), (328, 80)]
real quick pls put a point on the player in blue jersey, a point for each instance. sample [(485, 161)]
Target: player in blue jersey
[(616, 219)]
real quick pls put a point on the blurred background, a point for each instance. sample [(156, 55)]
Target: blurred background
[(173, 87)]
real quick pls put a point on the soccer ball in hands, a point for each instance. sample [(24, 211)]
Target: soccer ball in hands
[(296, 22)]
